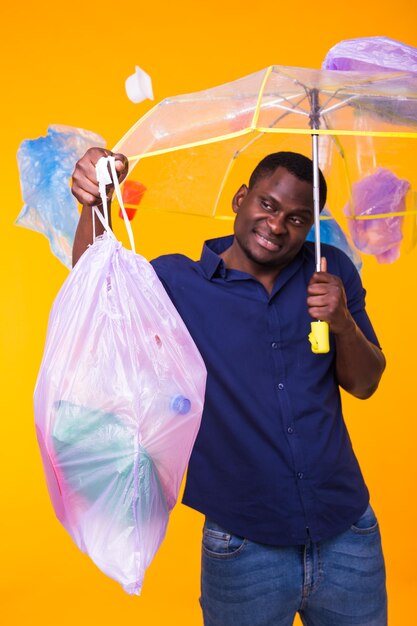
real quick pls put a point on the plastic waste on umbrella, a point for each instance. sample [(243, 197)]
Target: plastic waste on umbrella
[(45, 166), (376, 195), (132, 194), (381, 236), (377, 54), (368, 53), (330, 232)]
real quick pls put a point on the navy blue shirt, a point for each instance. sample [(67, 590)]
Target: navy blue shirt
[(272, 461)]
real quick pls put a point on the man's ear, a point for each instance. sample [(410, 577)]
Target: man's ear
[(238, 198)]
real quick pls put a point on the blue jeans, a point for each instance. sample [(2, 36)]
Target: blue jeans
[(338, 582)]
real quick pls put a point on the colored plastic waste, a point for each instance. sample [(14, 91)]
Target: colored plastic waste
[(132, 194), (381, 236), (118, 404), (331, 233), (77, 432), (368, 53), (139, 86), (46, 165), (379, 194)]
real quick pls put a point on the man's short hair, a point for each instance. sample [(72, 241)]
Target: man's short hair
[(297, 164)]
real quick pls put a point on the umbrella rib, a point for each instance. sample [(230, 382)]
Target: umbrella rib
[(254, 123), (249, 143), (341, 152), (259, 98), (288, 110), (292, 107), (382, 216), (271, 125), (292, 110), (338, 105), (334, 138), (333, 94)]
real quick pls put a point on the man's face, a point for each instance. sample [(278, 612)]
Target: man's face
[(272, 221)]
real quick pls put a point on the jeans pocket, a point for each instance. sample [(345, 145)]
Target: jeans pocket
[(220, 544), (366, 524)]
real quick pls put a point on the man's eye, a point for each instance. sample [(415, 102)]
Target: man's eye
[(266, 205), (298, 221)]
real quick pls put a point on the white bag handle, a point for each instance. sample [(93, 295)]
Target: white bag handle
[(104, 177)]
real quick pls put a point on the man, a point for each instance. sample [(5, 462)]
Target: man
[(288, 523)]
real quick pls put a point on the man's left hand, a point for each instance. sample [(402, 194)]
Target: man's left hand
[(326, 301)]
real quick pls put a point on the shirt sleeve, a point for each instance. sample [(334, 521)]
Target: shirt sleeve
[(340, 264), (168, 268)]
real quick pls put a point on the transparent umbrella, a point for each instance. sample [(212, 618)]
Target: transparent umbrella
[(192, 151)]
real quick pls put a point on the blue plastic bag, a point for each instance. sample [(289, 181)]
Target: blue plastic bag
[(330, 232), (46, 165)]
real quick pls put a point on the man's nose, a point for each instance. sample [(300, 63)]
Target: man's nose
[(277, 224)]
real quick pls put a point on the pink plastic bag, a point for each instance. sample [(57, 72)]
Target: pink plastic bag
[(379, 54), (371, 53), (118, 404), (381, 194)]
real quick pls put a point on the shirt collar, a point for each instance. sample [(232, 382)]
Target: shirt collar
[(211, 262)]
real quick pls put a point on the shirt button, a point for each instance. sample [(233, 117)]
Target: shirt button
[(280, 386), (274, 345), (290, 430), (300, 475)]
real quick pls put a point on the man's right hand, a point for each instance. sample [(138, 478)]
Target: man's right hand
[(85, 189), (84, 180)]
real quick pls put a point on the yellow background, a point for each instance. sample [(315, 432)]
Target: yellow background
[(66, 63)]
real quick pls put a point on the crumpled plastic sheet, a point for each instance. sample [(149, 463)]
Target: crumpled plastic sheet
[(368, 53), (379, 54), (376, 194), (331, 233), (118, 404), (46, 165)]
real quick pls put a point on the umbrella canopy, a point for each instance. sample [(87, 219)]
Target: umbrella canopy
[(193, 151)]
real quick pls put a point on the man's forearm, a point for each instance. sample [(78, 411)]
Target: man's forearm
[(359, 363), (84, 233)]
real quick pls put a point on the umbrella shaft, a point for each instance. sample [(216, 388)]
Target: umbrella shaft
[(316, 201)]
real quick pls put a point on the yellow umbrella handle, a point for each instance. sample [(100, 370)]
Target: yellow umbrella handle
[(319, 337)]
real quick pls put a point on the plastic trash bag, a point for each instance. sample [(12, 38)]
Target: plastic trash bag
[(380, 193), (132, 194), (46, 165), (330, 232), (368, 53), (118, 404)]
